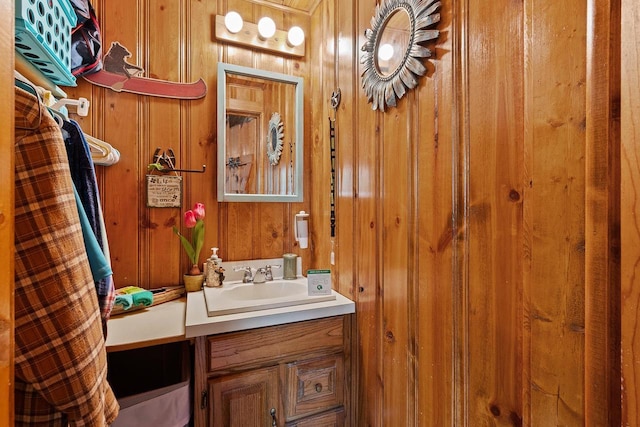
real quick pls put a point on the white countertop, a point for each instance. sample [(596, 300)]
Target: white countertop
[(158, 324), (198, 323), (186, 318)]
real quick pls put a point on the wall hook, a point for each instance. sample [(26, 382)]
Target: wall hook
[(164, 162)]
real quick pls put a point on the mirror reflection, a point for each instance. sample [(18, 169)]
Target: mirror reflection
[(260, 150), (394, 43)]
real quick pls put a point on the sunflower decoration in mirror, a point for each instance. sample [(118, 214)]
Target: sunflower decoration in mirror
[(274, 139), (393, 50)]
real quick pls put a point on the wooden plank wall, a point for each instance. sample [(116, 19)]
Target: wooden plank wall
[(175, 41), (473, 227), (484, 231), (630, 177)]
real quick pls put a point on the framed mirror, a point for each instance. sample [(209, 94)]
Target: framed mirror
[(260, 135), (393, 49)]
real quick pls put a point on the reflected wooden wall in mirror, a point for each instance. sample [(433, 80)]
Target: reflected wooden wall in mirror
[(260, 135)]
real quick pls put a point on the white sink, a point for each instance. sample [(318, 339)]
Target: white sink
[(240, 297)]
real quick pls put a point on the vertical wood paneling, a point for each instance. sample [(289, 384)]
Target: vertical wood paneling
[(602, 216), (518, 223), (494, 227), (630, 190), (555, 150), (198, 119), (344, 44), (6, 215), (321, 83), (460, 57), (346, 80), (367, 235), (434, 238), (395, 194), (122, 124), (162, 121)]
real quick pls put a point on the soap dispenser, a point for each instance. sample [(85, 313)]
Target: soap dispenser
[(212, 269)]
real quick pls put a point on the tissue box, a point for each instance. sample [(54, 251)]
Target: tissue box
[(319, 282)]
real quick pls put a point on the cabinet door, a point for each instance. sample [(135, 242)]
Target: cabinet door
[(248, 399), (333, 418)]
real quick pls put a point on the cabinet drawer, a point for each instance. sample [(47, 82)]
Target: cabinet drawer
[(333, 418), (260, 347), (313, 386)]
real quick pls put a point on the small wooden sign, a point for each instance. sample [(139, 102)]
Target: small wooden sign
[(164, 191)]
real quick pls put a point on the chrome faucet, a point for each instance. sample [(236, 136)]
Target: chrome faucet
[(248, 275), (261, 275), (268, 274)]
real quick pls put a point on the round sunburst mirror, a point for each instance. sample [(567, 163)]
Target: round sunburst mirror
[(393, 50), (274, 139)]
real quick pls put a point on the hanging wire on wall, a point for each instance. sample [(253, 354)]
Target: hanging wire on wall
[(335, 102)]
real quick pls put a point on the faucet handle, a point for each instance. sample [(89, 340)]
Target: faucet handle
[(248, 274), (268, 273)]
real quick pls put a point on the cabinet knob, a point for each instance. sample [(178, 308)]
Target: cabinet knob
[(318, 387), (272, 412)]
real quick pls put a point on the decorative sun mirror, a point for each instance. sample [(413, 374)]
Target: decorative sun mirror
[(392, 51), (274, 142), (260, 135)]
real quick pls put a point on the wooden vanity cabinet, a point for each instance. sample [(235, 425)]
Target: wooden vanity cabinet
[(285, 376)]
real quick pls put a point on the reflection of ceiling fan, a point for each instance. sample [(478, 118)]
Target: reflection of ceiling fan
[(234, 120)]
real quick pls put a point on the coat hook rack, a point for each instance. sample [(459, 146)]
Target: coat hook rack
[(81, 104), (164, 162)]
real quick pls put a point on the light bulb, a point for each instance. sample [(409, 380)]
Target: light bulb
[(295, 36), (266, 27), (233, 22), (385, 52)]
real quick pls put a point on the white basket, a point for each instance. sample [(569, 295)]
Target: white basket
[(166, 406)]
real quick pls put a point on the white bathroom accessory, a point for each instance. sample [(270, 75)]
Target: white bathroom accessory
[(301, 229)]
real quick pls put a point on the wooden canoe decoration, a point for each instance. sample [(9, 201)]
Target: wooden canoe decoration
[(392, 51), (119, 75)]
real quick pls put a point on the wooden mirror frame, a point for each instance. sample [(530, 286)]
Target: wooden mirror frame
[(296, 129), (382, 90)]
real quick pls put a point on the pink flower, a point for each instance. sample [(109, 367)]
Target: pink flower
[(193, 219), (198, 209), (190, 219)]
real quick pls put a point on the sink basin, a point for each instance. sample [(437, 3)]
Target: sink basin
[(268, 290), (244, 297)]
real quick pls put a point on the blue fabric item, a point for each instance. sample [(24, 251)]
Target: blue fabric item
[(100, 268), (125, 300), (83, 174), (84, 179)]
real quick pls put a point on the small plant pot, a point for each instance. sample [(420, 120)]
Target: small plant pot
[(193, 283)]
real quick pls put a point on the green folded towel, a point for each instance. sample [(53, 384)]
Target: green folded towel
[(142, 298), (136, 295), (125, 300)]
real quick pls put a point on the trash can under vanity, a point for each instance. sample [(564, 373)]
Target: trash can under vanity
[(153, 385)]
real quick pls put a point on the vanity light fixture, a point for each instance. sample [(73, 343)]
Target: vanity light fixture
[(263, 35), (295, 36), (266, 27), (233, 22)]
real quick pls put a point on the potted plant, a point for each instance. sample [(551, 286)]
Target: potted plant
[(193, 220)]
